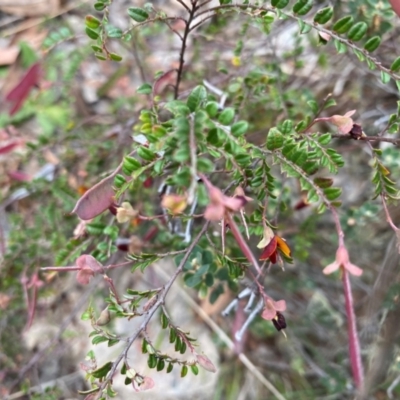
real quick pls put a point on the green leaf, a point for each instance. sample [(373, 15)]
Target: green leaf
[(196, 97), (344, 24), (192, 280), (239, 128), (184, 371), (119, 180), (212, 108), (113, 32), (181, 154), (178, 343), (275, 139), (160, 364), (92, 22), (138, 14), (372, 44), (145, 153), (325, 139), (183, 347), (112, 342), (152, 361), (91, 33), (226, 116), (313, 105), (357, 31), (146, 88), (182, 128), (164, 321), (340, 47), (287, 126), (332, 193), (302, 7), (279, 3), (243, 159), (99, 6), (360, 55), (385, 77), (371, 65), (172, 335), (395, 65), (99, 339), (323, 15), (96, 48), (195, 369), (102, 371), (130, 164), (323, 183), (170, 368), (312, 196), (100, 57), (304, 28), (330, 103), (205, 165), (394, 128), (115, 57)]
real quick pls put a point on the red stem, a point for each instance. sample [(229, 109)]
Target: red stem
[(354, 344), (241, 242)]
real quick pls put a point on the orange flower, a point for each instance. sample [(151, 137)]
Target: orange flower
[(271, 244)]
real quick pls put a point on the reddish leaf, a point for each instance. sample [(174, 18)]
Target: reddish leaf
[(396, 6), (20, 92), (19, 176), (9, 147), (96, 200), (163, 81), (206, 363)]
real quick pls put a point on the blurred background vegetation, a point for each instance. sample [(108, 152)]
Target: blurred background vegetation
[(77, 126)]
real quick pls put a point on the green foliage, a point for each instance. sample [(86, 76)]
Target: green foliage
[(256, 132)]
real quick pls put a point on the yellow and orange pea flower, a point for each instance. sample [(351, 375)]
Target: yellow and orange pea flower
[(273, 245)]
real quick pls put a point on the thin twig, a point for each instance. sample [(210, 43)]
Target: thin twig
[(183, 47), (366, 138), (149, 314)]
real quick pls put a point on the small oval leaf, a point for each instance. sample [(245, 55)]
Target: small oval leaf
[(323, 15), (91, 33), (344, 24), (302, 7), (357, 31), (279, 3), (372, 44), (196, 97), (395, 65), (138, 14)]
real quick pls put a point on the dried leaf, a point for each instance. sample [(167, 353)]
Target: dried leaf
[(206, 363), (21, 91), (96, 200)]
